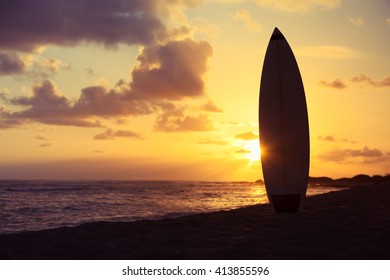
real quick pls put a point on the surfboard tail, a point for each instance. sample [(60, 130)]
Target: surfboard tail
[(286, 203)]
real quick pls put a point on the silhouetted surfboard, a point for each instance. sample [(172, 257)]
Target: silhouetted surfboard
[(284, 127)]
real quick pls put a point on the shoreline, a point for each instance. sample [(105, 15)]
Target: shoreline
[(346, 224), (129, 203)]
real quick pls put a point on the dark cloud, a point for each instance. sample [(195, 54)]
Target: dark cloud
[(27, 24), (168, 71), (337, 84), (249, 135), (366, 155), (165, 73), (102, 102), (110, 134), (47, 106), (11, 64), (45, 94), (172, 71)]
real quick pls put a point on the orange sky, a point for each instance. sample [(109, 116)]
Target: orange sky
[(151, 90)]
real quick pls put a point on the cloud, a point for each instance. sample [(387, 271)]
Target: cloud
[(230, 1), (176, 121), (54, 65), (7, 120), (25, 26), (11, 64), (365, 155), (216, 141), (89, 72), (337, 84), (242, 151), (250, 23), (335, 155), (327, 138), (363, 79), (211, 107), (294, 6), (330, 138), (40, 69), (4, 93), (170, 66), (358, 21), (366, 152), (165, 73), (204, 26), (247, 136), (328, 51), (110, 134), (174, 11), (42, 138), (45, 145)]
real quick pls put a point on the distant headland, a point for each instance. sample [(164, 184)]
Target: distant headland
[(355, 180)]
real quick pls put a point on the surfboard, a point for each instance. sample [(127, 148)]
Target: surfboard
[(283, 127)]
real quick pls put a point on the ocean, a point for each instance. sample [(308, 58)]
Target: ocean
[(36, 205)]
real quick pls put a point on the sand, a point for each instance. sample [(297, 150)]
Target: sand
[(348, 224)]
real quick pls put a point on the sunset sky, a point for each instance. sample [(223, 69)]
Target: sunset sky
[(124, 89)]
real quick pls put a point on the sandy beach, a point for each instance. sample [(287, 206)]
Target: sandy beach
[(347, 224)]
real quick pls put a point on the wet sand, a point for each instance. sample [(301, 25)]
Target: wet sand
[(347, 224)]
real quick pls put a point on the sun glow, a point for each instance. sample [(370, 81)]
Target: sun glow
[(254, 151)]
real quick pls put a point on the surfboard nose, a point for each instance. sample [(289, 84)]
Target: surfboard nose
[(277, 35)]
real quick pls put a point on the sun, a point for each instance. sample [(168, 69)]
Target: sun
[(254, 151)]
